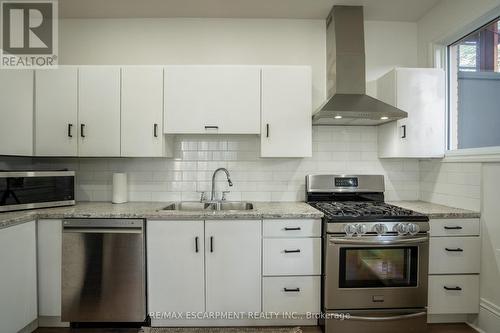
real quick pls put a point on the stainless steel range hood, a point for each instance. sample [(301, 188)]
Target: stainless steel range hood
[(348, 103)]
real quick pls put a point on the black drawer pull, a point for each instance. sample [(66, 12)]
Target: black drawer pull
[(211, 127), (292, 251), (452, 288), (196, 244), (292, 228), (454, 250), (404, 132), (453, 228), (267, 130), (291, 290), (211, 244), (70, 126), (82, 127)]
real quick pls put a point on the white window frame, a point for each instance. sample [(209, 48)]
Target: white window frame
[(440, 59)]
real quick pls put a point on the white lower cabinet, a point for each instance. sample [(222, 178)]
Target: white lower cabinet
[(291, 279), (292, 256), (233, 265), (18, 286), (176, 274), (451, 294), (196, 266), (49, 233), (291, 294), (454, 266)]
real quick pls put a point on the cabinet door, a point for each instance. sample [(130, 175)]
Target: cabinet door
[(99, 111), (142, 112), (286, 112), (421, 93), (233, 265), (18, 294), (56, 112), (212, 99), (176, 280), (16, 112), (49, 249)]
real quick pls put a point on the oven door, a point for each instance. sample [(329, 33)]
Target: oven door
[(371, 272)]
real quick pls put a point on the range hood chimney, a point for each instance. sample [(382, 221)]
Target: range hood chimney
[(348, 103)]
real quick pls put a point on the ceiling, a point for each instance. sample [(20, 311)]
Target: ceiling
[(385, 10)]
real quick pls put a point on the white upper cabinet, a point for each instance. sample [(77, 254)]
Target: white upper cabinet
[(286, 111), (99, 111), (56, 112), (421, 93), (16, 112), (142, 112), (212, 99)]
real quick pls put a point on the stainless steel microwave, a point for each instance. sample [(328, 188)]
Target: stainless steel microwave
[(36, 189)]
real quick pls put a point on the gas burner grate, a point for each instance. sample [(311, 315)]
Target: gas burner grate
[(366, 209)]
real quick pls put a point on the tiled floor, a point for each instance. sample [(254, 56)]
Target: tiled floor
[(435, 328)]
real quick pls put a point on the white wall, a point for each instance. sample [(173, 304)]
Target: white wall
[(196, 41), (448, 21), (230, 41), (388, 44)]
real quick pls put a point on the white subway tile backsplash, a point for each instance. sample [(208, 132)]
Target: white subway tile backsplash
[(338, 150)]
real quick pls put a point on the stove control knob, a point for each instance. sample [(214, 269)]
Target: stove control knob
[(361, 229), (350, 229), (401, 228), (413, 228), (380, 228)]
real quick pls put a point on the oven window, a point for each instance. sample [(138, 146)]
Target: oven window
[(378, 267)]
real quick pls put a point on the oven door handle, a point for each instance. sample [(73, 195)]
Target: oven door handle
[(358, 241), (398, 317)]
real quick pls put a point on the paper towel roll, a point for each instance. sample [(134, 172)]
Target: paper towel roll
[(120, 188)]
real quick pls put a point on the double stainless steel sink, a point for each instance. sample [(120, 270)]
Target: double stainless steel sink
[(213, 206)]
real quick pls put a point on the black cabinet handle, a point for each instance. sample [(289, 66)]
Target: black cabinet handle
[(267, 130), (211, 244), (404, 132), (196, 244), (454, 250), (452, 288), (292, 251), (70, 126), (155, 130), (453, 228), (82, 127), (291, 290), (291, 228), (211, 127)]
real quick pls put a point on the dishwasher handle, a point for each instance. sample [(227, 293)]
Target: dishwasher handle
[(103, 230)]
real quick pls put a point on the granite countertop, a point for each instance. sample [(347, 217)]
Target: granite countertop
[(153, 211), (435, 211)]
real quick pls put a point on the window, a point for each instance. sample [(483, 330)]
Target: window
[(474, 88)]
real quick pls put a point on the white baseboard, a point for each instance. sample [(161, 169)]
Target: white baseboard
[(488, 319), (31, 327), (51, 321)]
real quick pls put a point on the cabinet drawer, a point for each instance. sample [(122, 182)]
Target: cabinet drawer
[(454, 227), (292, 256), (299, 294), (454, 255), (292, 228), (462, 295)]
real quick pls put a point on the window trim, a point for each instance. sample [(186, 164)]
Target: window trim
[(483, 154)]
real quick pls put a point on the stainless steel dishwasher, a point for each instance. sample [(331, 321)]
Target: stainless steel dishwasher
[(103, 270)]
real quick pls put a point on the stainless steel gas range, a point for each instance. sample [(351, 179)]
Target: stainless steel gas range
[(375, 257)]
